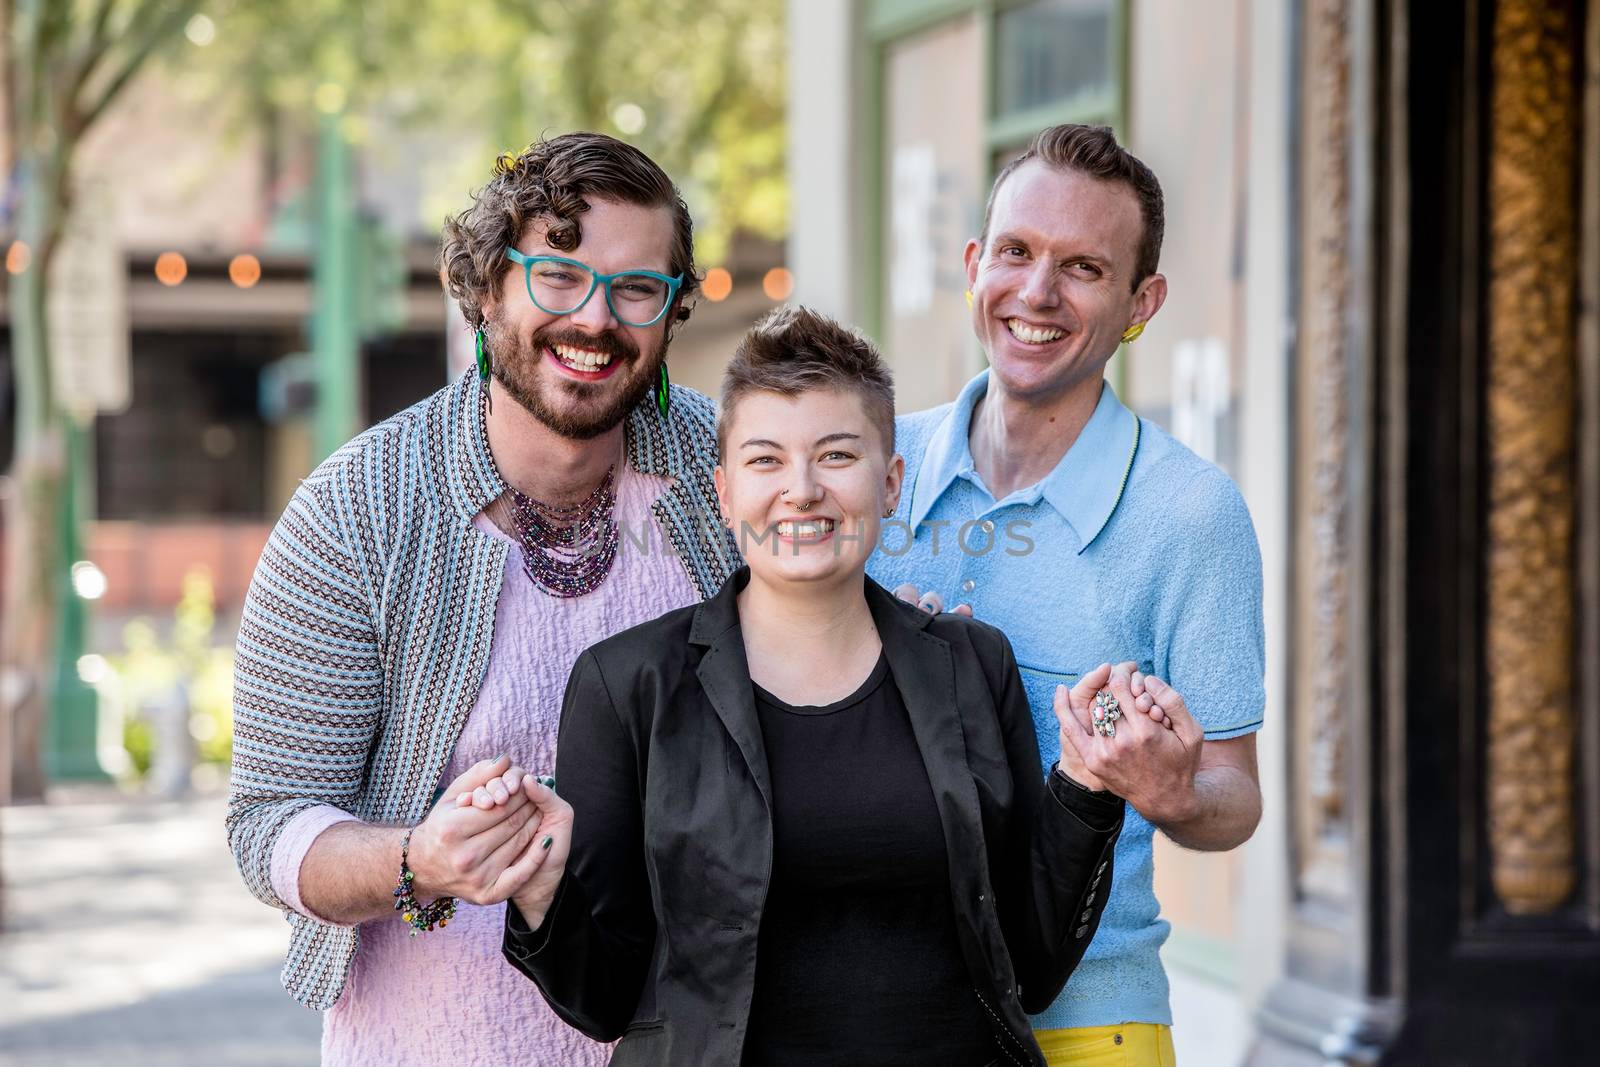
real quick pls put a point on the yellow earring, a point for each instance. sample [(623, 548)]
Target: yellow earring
[(1131, 334), (969, 298)]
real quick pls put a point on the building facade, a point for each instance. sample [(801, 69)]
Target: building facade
[(1383, 247)]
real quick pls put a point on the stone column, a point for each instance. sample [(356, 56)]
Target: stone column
[(1530, 405)]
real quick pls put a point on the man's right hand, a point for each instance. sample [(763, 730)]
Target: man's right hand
[(470, 852), (929, 601)]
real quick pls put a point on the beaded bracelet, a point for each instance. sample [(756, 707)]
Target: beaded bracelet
[(420, 917)]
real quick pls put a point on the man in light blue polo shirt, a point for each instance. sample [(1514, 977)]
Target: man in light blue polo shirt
[(1089, 535)]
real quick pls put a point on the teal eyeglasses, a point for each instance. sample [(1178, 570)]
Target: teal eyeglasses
[(560, 286)]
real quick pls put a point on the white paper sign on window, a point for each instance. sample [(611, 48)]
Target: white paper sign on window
[(1200, 394), (913, 267)]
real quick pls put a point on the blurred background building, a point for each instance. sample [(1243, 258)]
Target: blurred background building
[(1383, 243)]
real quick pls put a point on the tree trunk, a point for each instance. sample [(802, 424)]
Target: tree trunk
[(32, 568), (33, 541)]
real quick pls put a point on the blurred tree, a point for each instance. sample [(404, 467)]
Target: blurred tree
[(698, 84), (67, 62)]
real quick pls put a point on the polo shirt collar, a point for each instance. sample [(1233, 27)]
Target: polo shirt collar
[(1087, 485), (1084, 488)]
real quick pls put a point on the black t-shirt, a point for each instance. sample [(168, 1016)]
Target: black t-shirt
[(857, 962)]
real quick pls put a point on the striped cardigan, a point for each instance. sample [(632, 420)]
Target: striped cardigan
[(368, 623)]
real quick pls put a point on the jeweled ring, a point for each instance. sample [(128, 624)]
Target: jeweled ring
[(1105, 713)]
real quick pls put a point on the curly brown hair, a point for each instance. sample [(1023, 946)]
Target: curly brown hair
[(550, 179)]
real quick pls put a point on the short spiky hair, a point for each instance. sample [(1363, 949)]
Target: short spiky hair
[(1094, 151), (552, 179), (795, 350)]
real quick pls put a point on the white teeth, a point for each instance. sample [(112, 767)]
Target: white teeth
[(808, 528), (1032, 335), (581, 358)]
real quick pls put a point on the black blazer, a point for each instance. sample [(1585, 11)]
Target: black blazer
[(652, 933)]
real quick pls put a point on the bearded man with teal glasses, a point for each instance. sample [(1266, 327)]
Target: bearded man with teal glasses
[(419, 607)]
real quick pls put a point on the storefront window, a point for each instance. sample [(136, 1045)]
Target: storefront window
[(1053, 53)]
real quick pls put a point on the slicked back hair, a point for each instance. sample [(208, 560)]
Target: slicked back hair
[(553, 180), (794, 350), (1093, 151)]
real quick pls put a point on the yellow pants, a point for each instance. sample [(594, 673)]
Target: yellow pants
[(1127, 1045)]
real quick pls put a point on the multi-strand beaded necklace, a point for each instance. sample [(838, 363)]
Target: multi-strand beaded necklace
[(568, 549)]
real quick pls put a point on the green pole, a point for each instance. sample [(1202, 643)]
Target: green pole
[(336, 346), (74, 706)]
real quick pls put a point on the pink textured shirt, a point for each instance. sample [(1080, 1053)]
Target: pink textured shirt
[(448, 997)]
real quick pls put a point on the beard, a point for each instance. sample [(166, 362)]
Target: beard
[(580, 411)]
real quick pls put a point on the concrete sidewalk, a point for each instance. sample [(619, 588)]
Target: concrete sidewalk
[(130, 939)]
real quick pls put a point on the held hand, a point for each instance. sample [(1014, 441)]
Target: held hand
[(929, 601), (497, 792), (1075, 712), (1149, 765), (545, 860), (464, 850), (1145, 702), (1072, 713)]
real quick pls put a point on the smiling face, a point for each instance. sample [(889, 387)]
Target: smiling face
[(582, 372), (1053, 285), (806, 481)]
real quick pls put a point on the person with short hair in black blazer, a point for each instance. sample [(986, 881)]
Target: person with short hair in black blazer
[(805, 822)]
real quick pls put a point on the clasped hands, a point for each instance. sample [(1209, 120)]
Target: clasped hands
[(498, 833), (1154, 754)]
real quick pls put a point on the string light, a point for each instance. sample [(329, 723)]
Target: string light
[(244, 270), (718, 284), (778, 283), (171, 268)]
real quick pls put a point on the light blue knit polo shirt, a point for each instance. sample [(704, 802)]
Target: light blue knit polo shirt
[(1132, 548)]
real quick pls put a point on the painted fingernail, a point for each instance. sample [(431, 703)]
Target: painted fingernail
[(545, 780), (545, 844)]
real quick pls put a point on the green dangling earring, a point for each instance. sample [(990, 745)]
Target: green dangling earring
[(663, 391), (482, 355)]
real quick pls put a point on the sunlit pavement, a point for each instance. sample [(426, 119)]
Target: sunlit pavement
[(129, 939)]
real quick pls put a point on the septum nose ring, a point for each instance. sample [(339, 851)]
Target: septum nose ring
[(800, 507)]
